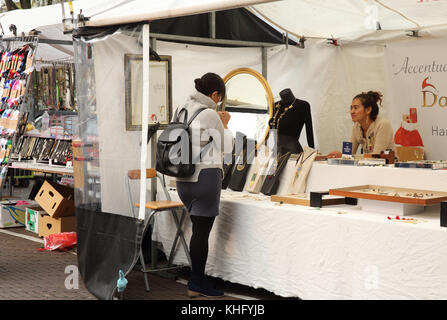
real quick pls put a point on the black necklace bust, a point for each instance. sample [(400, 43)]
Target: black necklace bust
[(289, 117)]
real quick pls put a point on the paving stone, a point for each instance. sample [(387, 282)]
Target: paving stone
[(29, 274)]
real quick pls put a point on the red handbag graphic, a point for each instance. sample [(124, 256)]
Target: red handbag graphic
[(408, 138)]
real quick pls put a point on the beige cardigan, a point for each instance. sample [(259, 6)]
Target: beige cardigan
[(379, 137)]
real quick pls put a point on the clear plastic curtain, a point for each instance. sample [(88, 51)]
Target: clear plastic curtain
[(109, 76)]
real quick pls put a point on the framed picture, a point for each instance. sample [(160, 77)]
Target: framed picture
[(160, 91)]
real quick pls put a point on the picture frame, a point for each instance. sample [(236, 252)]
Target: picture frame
[(160, 95)]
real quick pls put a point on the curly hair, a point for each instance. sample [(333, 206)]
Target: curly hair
[(371, 99)]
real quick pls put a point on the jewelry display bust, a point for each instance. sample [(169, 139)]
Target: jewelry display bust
[(289, 117)]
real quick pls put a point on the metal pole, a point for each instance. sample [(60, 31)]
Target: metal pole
[(153, 42), (212, 16), (144, 122), (63, 10), (235, 43), (264, 62)]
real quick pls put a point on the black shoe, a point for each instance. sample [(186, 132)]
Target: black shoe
[(205, 289)]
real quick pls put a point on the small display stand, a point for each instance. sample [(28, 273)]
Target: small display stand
[(423, 164), (305, 199)]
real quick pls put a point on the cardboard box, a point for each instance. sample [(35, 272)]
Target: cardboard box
[(57, 200), (409, 153), (49, 225), (78, 165), (32, 218), (13, 215)]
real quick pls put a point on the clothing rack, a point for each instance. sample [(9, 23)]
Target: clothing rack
[(13, 43), (55, 62)]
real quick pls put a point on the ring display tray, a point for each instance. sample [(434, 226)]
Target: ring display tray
[(304, 199), (404, 201), (340, 161), (427, 164)]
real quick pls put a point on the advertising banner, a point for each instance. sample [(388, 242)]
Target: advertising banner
[(416, 80)]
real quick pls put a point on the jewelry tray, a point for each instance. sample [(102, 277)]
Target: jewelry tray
[(392, 194)]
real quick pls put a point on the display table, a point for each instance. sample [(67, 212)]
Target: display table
[(323, 177), (44, 168), (337, 252)]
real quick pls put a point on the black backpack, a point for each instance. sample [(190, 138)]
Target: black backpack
[(174, 149)]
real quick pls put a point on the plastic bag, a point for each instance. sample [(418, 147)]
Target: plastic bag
[(59, 241)]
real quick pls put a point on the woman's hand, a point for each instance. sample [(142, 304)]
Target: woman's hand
[(334, 154), (224, 117)]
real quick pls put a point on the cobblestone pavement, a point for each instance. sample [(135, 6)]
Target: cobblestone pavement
[(29, 274)]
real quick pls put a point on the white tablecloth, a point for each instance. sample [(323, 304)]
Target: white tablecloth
[(337, 252)]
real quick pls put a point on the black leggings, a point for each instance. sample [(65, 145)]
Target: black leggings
[(198, 246)]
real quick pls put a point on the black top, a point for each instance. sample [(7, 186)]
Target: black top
[(290, 125)]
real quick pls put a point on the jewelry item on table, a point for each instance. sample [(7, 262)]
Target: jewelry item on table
[(406, 220)]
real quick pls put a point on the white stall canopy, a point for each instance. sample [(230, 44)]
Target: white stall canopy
[(119, 12), (353, 19), (48, 19), (339, 19)]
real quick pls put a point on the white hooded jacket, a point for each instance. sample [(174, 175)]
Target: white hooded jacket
[(205, 125)]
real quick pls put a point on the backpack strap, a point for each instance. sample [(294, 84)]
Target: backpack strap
[(208, 144), (195, 115), (177, 116)]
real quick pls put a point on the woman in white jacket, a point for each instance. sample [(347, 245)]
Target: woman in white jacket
[(200, 193)]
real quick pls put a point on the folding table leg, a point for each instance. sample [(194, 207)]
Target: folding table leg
[(179, 234), (143, 265)]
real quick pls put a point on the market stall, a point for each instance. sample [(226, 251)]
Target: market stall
[(326, 69), (113, 200)]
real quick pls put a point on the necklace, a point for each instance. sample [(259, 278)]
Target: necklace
[(281, 161), (299, 164), (241, 167), (277, 119)]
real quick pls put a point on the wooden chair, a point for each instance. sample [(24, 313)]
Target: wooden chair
[(158, 207)]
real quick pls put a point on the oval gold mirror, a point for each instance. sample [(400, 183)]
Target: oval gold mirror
[(249, 100)]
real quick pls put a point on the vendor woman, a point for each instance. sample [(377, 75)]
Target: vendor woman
[(372, 132)]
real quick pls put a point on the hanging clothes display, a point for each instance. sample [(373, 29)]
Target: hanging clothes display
[(16, 65)]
